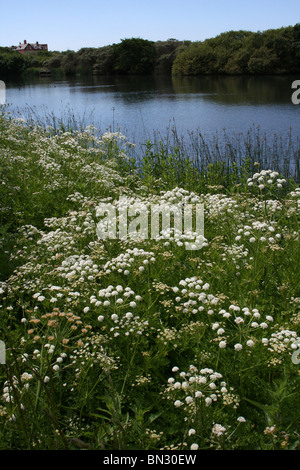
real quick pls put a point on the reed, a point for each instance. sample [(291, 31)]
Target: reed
[(227, 150)]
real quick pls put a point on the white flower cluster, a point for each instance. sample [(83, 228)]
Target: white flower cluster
[(125, 261), (78, 267), (294, 202), (218, 205), (128, 325), (281, 341), (218, 430), (242, 323), (203, 385), (76, 222), (59, 360), (48, 164), (9, 388), (295, 193), (77, 197), (192, 295), (181, 198), (114, 297), (96, 172), (179, 195), (258, 230), (113, 136), (92, 353), (226, 324), (57, 241), (270, 206), (266, 179), (29, 231), (234, 253)]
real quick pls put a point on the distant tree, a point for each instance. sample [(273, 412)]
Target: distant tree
[(197, 59), (53, 62), (281, 43), (69, 62), (263, 61), (242, 52), (37, 59), (165, 54), (296, 33), (12, 63), (104, 61), (237, 63), (230, 57), (134, 56), (86, 58)]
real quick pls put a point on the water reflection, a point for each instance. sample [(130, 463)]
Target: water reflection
[(223, 90), (238, 90), (220, 89)]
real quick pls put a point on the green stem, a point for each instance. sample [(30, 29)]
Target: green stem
[(129, 367)]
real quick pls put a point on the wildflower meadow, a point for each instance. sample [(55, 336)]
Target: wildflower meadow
[(133, 343)]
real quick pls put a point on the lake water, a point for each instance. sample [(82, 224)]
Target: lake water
[(144, 107), (141, 105)]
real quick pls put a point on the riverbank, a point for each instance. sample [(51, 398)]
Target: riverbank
[(141, 343)]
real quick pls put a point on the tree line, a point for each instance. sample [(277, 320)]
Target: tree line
[(274, 51), (132, 56)]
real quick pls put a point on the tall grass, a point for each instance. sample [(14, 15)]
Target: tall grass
[(228, 150), (234, 151)]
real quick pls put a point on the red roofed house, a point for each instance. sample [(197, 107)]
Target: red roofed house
[(27, 47)]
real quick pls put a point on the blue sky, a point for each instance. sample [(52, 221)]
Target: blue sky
[(64, 24)]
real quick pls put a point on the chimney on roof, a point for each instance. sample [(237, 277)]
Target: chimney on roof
[(36, 43), (25, 42)]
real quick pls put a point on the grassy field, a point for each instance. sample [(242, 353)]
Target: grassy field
[(142, 344)]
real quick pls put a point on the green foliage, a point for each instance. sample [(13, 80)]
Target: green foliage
[(11, 62), (242, 52), (262, 61), (166, 52), (69, 62), (134, 56), (104, 61), (53, 62)]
